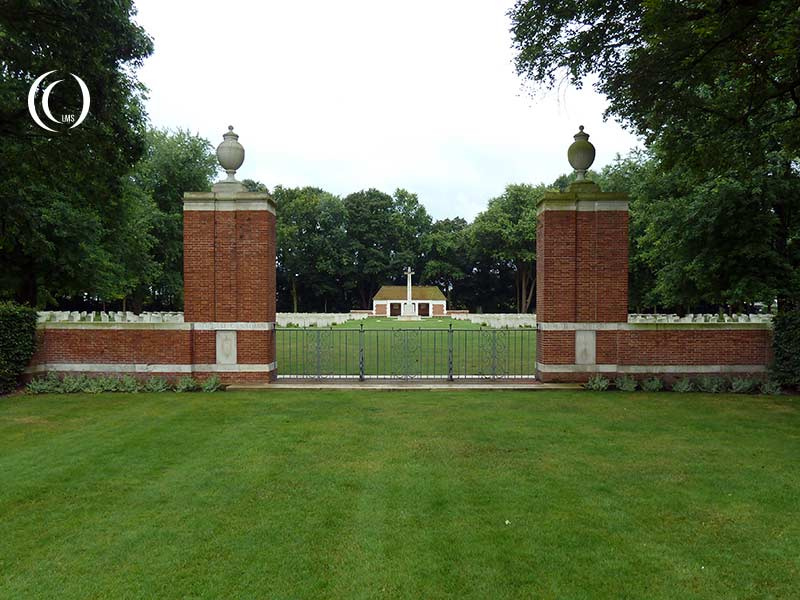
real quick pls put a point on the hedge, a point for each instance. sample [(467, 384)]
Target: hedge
[(786, 348), (17, 343)]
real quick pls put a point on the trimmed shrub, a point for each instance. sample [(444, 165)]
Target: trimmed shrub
[(212, 384), (17, 343), (626, 383), (95, 385), (770, 387), (786, 348), (711, 385), (186, 384), (652, 384), (128, 384), (72, 384), (683, 385), (743, 385), (50, 384), (597, 383), (156, 384)]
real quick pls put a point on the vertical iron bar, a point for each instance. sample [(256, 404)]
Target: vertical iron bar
[(494, 353), (450, 353), (361, 353), (318, 347)]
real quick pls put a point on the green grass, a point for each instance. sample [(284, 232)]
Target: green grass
[(393, 347), (341, 494)]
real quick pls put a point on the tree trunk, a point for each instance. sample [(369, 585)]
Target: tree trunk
[(27, 292), (525, 286), (530, 274), (294, 294), (363, 293)]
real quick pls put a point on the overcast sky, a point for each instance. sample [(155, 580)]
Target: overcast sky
[(349, 95)]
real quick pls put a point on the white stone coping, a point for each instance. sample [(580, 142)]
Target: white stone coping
[(149, 368), (643, 369), (581, 205), (222, 201)]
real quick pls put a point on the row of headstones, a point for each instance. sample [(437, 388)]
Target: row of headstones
[(499, 320), (64, 316), (700, 318), (315, 319)]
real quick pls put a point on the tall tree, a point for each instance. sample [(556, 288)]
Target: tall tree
[(446, 257), (385, 234), (507, 229), (715, 82), (173, 163), (58, 201), (312, 245)]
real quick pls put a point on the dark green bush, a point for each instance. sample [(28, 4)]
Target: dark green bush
[(17, 343), (744, 385), (626, 383), (652, 384), (156, 384), (786, 348), (597, 383), (710, 384), (187, 383), (212, 384), (49, 384), (683, 385)]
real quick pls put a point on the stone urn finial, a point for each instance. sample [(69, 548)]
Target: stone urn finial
[(230, 154), (581, 154)]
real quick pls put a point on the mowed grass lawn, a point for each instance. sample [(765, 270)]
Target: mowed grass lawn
[(441, 494), (393, 347)]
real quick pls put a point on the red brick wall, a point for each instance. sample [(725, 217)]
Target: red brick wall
[(582, 266), (438, 310), (255, 347), (555, 347), (113, 346), (173, 347), (684, 347), (663, 347), (198, 265), (555, 266), (229, 266), (601, 286), (380, 309)]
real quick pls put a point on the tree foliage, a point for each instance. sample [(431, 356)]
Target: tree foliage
[(716, 83), (508, 229), (173, 163), (312, 242), (58, 203)]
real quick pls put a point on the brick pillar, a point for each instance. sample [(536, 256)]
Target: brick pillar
[(581, 277), (229, 282)]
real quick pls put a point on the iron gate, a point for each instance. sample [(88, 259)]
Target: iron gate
[(328, 353)]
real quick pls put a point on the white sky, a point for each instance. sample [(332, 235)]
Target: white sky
[(350, 94)]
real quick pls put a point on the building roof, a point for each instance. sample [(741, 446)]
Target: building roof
[(418, 292)]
